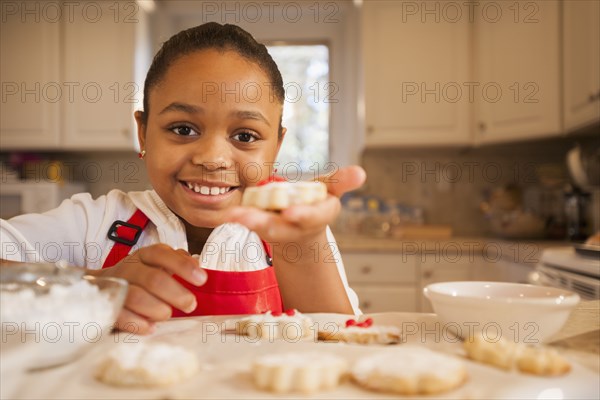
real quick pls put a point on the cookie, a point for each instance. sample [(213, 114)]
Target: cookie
[(291, 325), (298, 372), (147, 365), (507, 355), (361, 332), (409, 370), (276, 196)]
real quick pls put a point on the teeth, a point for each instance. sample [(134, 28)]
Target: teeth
[(206, 190)]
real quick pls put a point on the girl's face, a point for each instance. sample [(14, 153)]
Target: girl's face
[(212, 130)]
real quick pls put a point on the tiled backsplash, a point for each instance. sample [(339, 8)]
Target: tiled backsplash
[(450, 184)]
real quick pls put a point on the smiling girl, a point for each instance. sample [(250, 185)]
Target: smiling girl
[(211, 127)]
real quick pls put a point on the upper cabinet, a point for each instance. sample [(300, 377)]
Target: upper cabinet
[(30, 75), (517, 69), (415, 75), (581, 54), (78, 78)]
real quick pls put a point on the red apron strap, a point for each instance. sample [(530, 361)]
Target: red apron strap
[(125, 235)]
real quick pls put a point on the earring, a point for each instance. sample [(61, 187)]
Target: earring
[(142, 154)]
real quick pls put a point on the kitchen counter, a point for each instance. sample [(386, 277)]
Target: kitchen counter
[(518, 251), (580, 337), (225, 364)]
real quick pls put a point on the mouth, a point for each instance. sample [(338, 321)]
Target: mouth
[(208, 189)]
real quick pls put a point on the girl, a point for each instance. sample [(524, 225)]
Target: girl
[(211, 126)]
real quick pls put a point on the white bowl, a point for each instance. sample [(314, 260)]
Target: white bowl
[(517, 312)]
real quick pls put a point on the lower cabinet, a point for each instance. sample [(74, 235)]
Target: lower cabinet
[(384, 282)]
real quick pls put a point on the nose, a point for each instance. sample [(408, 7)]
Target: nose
[(213, 153)]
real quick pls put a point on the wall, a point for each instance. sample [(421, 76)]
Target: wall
[(450, 184)]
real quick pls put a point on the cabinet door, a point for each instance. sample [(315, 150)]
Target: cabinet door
[(394, 268), (377, 298), (581, 52), (517, 70), (415, 76), (438, 269), (31, 89), (99, 54)]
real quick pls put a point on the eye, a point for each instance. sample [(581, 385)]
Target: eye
[(183, 130), (245, 137)]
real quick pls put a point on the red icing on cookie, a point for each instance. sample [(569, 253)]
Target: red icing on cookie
[(365, 324), (291, 312), (276, 313), (273, 178)]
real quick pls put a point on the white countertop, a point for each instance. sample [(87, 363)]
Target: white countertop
[(226, 361)]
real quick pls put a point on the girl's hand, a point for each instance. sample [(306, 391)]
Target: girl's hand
[(302, 223), (152, 288)]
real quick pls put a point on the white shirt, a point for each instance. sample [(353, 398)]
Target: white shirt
[(77, 232)]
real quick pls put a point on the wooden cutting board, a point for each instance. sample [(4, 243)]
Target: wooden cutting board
[(422, 232)]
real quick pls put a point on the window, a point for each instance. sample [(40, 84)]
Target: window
[(305, 72)]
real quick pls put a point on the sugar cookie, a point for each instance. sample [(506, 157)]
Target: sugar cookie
[(290, 325), (298, 372), (145, 364), (277, 196), (361, 332), (508, 355), (409, 370)]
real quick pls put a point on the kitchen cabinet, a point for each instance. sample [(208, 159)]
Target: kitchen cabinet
[(416, 77), (517, 68), (441, 267), (29, 116), (581, 55), (86, 68), (383, 281)]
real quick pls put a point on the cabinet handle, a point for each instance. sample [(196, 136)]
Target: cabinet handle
[(366, 269), (370, 129), (365, 305), (592, 97), (427, 274), (125, 132), (482, 127)]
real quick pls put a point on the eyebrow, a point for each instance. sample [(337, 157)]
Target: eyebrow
[(183, 107), (251, 115), (192, 109)]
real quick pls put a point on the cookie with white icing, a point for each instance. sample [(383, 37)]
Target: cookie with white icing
[(147, 365), (298, 372), (361, 332), (277, 195), (539, 360), (409, 370), (290, 325)]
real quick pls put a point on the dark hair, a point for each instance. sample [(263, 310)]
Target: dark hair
[(212, 35)]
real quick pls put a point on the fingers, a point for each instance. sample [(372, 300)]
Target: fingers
[(144, 304), (293, 223), (344, 180), (177, 262), (160, 284), (131, 322)]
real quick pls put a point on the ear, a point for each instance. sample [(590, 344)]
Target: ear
[(280, 140), (141, 128)]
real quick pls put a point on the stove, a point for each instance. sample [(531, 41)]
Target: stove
[(575, 268)]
